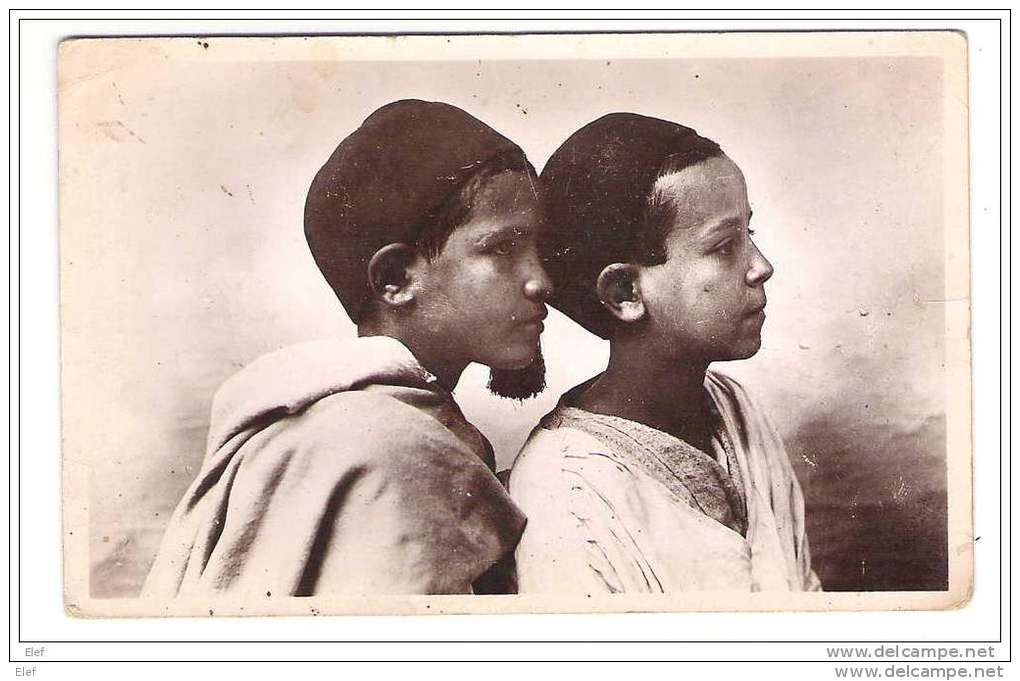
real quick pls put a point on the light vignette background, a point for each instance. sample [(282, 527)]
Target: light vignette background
[(182, 186)]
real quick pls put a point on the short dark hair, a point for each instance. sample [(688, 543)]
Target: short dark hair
[(439, 223), (601, 205), (661, 211)]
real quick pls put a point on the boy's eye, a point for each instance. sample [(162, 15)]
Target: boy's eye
[(503, 247), (725, 248)]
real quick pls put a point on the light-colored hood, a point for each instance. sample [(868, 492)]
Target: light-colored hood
[(288, 380)]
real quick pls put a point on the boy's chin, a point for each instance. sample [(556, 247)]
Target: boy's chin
[(749, 350), (739, 353), (518, 384)]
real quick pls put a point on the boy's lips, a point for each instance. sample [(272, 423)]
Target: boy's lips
[(535, 320)]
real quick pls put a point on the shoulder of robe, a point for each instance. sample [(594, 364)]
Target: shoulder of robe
[(745, 399), (552, 452), (543, 451), (731, 386), (756, 418), (372, 429), (398, 436)]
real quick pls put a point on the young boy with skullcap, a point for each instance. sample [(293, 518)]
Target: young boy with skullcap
[(346, 467), (658, 475)]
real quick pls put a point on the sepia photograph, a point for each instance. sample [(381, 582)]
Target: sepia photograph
[(571, 323)]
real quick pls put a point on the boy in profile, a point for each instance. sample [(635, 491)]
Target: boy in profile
[(658, 475), (346, 466)]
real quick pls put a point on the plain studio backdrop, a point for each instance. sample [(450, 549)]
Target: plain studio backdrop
[(184, 168)]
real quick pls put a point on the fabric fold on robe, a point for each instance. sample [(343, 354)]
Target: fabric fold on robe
[(337, 467), (617, 506)]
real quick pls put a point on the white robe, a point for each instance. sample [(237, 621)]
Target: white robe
[(616, 506)]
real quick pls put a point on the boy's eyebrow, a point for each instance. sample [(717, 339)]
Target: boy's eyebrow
[(729, 223), (724, 225), (503, 230)]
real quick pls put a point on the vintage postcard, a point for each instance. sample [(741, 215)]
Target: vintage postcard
[(515, 323)]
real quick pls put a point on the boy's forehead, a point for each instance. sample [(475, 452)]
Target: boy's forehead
[(706, 192)]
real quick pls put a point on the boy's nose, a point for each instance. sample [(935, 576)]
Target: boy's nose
[(538, 288), (538, 285), (760, 270)]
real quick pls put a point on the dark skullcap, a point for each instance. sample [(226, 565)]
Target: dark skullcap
[(386, 181), (596, 189)]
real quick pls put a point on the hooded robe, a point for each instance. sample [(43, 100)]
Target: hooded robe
[(337, 467)]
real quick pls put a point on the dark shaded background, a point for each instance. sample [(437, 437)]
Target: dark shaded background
[(867, 531)]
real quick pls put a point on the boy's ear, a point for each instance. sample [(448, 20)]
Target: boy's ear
[(391, 274), (619, 289)]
